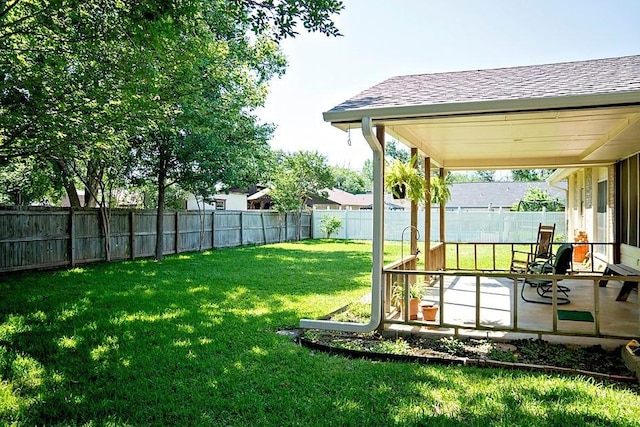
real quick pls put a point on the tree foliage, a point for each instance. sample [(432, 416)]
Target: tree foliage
[(538, 199), (329, 224), (393, 150), (107, 92), (530, 175), (349, 180), (298, 177)]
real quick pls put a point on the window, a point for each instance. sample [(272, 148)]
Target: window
[(627, 200), (220, 204)]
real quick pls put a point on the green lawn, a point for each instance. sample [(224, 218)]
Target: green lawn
[(191, 341)]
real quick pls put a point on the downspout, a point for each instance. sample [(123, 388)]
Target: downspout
[(376, 275)]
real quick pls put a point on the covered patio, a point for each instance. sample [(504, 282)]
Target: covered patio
[(490, 304), (563, 116)]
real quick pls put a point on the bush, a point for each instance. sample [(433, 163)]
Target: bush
[(330, 224)]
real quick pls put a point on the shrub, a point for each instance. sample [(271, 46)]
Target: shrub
[(330, 224)]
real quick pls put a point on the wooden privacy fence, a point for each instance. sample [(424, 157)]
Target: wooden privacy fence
[(45, 238)]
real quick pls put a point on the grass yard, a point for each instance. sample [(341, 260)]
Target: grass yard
[(191, 341)]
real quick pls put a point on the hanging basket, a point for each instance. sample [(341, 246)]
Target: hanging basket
[(399, 191)]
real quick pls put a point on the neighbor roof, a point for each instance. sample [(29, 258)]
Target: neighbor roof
[(499, 194)]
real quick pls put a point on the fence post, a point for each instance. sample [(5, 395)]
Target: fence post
[(177, 236), (213, 229), (72, 239), (264, 232), (241, 229), (346, 223), (132, 234)]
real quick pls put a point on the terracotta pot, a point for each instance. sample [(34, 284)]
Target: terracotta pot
[(413, 308), (429, 312)]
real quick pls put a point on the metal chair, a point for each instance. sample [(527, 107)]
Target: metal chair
[(520, 260), (561, 265)]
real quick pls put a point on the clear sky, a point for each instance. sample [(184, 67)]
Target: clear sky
[(385, 38)]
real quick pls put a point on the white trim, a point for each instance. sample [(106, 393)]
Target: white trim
[(355, 115)]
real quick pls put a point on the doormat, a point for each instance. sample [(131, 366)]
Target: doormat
[(578, 316)]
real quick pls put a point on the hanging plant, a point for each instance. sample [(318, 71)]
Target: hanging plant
[(404, 180), (440, 192)]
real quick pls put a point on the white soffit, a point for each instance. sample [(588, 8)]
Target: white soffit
[(561, 138)]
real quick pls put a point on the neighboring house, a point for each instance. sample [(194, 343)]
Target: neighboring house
[(495, 195), (121, 198), (235, 200), (335, 199), (338, 199), (259, 200), (476, 196)]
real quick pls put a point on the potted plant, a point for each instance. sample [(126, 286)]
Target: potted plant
[(404, 180), (429, 312), (415, 295)]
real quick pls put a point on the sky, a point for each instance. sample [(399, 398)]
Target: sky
[(386, 38)]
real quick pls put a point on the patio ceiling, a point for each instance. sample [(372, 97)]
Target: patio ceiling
[(555, 116)]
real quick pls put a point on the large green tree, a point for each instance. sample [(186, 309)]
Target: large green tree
[(349, 180), (171, 84), (296, 179)]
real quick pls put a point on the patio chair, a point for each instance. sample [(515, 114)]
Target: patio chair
[(520, 260), (560, 263)]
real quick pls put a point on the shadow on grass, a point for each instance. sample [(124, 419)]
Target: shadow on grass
[(190, 341)]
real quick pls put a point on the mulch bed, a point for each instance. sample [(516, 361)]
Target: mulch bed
[(536, 355)]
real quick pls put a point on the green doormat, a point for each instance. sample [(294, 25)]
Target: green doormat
[(578, 316)]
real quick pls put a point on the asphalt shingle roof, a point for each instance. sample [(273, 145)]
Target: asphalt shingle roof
[(497, 194), (593, 77)]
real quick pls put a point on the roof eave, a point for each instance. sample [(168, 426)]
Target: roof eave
[(355, 115)]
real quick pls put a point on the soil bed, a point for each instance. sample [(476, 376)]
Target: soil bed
[(540, 354)]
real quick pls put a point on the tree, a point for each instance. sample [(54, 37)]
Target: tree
[(538, 199), (367, 174), (486, 175), (393, 150), (349, 180), (26, 181), (529, 175), (297, 178), (175, 83), (330, 224)]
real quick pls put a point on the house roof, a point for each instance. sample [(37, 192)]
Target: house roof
[(475, 195), (600, 76), (343, 198), (554, 115)]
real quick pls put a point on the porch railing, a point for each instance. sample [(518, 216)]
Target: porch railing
[(480, 256), (491, 267)]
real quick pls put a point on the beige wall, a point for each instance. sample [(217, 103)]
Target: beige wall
[(582, 209)]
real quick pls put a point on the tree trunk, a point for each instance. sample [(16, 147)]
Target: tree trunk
[(105, 219), (67, 182), (94, 175), (162, 177)]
